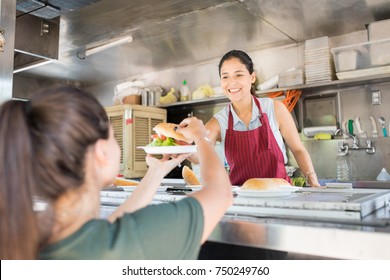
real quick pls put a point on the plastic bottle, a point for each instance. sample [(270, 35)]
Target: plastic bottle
[(184, 92), (383, 175), (343, 168)]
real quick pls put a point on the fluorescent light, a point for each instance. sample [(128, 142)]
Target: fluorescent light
[(111, 44), (32, 65)]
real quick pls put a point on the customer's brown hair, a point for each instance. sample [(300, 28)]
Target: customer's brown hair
[(43, 143)]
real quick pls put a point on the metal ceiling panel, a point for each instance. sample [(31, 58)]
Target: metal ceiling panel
[(109, 19), (165, 39), (307, 19), (173, 33)]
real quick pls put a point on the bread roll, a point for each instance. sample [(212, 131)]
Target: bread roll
[(189, 176), (168, 129), (122, 182), (264, 184)]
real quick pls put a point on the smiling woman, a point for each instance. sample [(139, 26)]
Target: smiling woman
[(253, 132)]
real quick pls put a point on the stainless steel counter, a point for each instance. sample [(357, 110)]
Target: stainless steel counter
[(325, 239), (342, 238)]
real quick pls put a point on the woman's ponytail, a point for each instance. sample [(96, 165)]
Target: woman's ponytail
[(19, 232)]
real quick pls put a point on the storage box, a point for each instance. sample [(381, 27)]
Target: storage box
[(370, 58), (128, 93), (379, 30), (291, 78), (346, 60)]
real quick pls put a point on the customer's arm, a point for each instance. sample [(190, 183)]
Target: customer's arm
[(143, 194), (216, 194)]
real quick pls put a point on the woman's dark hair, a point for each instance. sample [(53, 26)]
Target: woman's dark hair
[(43, 143), (243, 57)]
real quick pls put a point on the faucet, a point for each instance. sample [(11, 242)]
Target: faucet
[(370, 147), (343, 147), (355, 144)]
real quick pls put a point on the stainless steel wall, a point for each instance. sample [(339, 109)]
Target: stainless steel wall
[(354, 102), (7, 24)]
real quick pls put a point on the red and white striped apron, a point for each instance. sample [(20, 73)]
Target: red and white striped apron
[(253, 153)]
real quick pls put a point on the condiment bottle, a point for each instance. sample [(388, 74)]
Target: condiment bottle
[(184, 92)]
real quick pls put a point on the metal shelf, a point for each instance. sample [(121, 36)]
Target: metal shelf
[(210, 100), (337, 84)]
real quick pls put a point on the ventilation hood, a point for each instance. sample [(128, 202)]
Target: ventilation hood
[(37, 30)]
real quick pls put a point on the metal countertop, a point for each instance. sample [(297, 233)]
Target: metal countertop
[(364, 238)]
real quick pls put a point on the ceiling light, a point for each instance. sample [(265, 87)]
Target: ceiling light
[(83, 54)]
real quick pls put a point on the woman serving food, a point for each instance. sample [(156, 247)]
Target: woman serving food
[(253, 130)]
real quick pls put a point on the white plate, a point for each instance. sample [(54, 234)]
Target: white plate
[(280, 191), (132, 188), (158, 150), (199, 187), (194, 187), (172, 181)]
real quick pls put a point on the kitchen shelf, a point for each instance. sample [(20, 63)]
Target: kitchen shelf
[(210, 100), (337, 84)]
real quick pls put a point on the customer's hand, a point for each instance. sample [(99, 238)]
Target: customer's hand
[(166, 164), (192, 128)]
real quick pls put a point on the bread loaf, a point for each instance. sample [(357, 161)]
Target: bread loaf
[(189, 176), (264, 184), (123, 182)]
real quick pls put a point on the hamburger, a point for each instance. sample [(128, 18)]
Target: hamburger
[(189, 176), (265, 184), (166, 135)]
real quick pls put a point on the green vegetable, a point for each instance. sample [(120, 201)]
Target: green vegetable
[(298, 181), (159, 142)]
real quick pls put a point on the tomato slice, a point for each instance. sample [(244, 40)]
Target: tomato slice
[(156, 136)]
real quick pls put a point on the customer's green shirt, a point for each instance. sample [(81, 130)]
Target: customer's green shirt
[(163, 231)]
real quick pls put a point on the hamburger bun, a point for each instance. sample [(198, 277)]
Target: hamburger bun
[(168, 130), (264, 184), (123, 182), (189, 176)]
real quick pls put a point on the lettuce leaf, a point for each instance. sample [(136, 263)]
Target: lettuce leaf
[(159, 142)]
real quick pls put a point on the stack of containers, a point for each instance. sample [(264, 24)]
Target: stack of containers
[(318, 61), (368, 58), (379, 32)]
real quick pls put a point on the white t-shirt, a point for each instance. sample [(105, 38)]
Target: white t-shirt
[(267, 106)]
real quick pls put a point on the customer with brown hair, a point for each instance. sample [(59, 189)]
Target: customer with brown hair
[(58, 148)]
